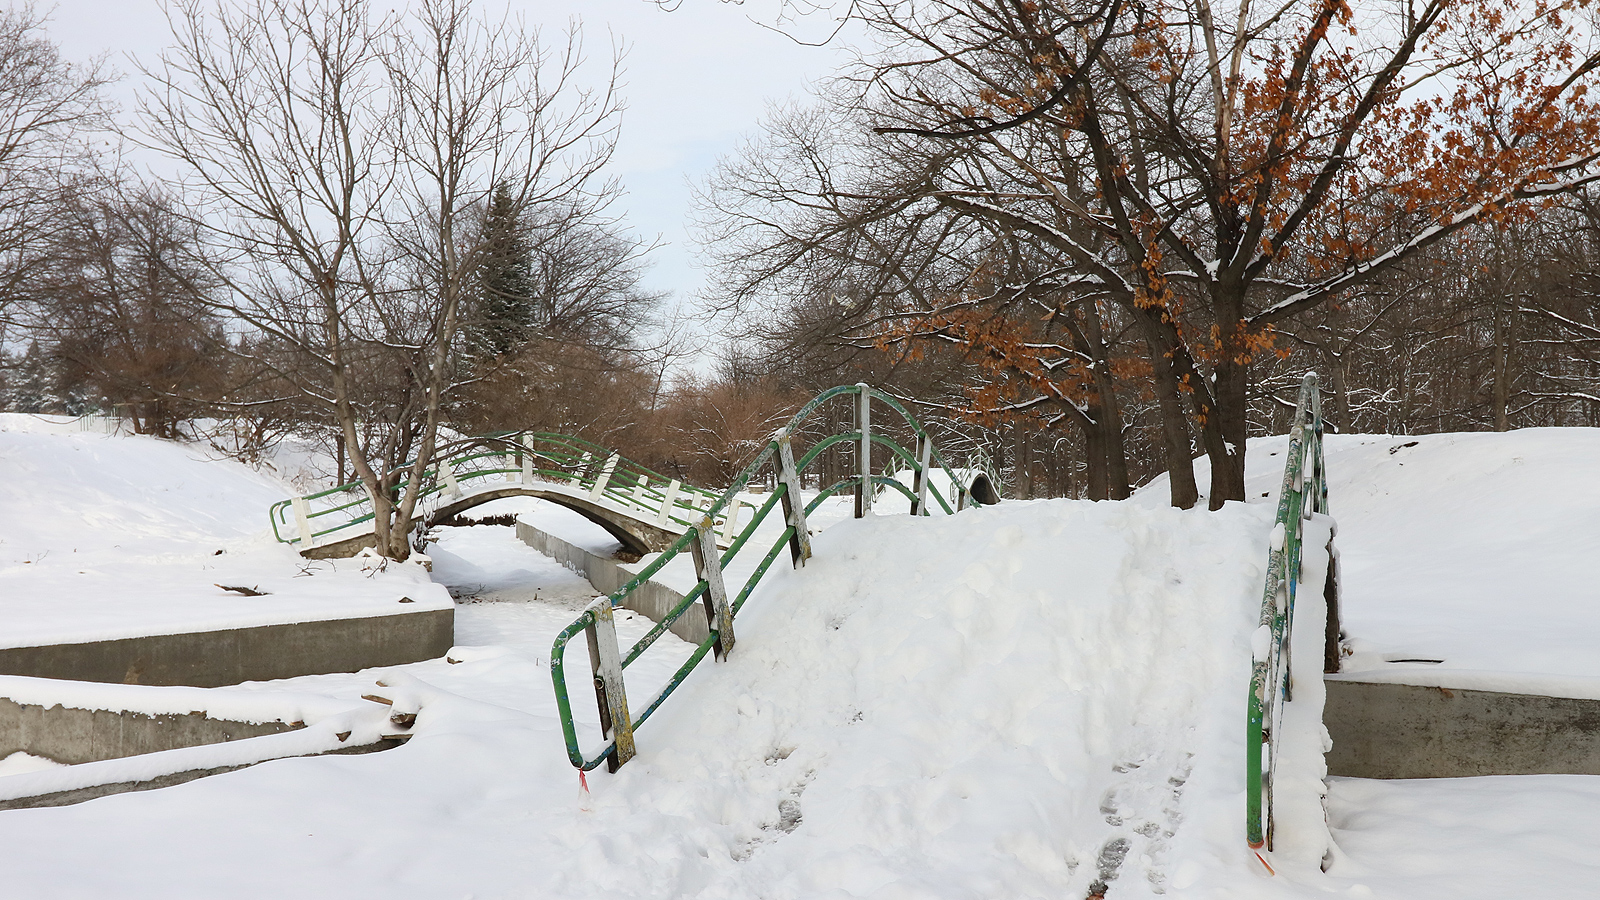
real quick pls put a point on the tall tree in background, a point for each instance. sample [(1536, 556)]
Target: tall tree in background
[(502, 314), (48, 107), (120, 308)]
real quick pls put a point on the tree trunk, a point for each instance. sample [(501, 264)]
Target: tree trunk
[(1105, 410), (1174, 422)]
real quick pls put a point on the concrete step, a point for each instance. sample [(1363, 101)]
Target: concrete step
[(1382, 729), (234, 655)]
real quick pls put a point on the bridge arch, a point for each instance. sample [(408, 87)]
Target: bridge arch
[(636, 535)]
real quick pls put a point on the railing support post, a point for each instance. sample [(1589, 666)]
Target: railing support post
[(448, 476), (730, 520), (667, 500), (919, 506), (708, 565), (604, 478), (864, 455), (527, 459), (605, 664), (582, 466), (794, 505), (302, 521)]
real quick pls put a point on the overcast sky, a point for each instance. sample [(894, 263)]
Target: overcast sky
[(697, 79)]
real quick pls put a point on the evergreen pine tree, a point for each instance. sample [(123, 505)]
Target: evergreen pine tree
[(505, 306)]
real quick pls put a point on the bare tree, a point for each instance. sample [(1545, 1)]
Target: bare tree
[(48, 107), (341, 165)]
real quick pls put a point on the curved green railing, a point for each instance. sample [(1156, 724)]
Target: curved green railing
[(519, 457), (1304, 492), (607, 659)]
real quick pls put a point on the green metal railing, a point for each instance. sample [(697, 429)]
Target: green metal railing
[(1304, 492), (607, 659), (571, 464)]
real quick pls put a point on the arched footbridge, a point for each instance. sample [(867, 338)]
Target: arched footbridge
[(645, 511)]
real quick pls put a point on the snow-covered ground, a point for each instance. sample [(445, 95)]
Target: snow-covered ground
[(1471, 549), (1018, 701), (105, 536)]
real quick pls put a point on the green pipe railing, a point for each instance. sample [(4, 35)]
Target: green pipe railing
[(607, 660), (525, 457), (1304, 493)]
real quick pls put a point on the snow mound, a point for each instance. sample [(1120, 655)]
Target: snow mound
[(1009, 702)]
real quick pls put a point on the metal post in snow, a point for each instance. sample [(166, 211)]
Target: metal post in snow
[(794, 505), (708, 566), (864, 455), (527, 459), (605, 664), (919, 506)]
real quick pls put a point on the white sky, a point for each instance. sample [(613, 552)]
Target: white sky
[(696, 80)]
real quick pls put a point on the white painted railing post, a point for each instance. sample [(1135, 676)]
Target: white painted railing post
[(864, 455), (604, 478), (583, 464), (448, 476), (919, 506), (730, 520), (302, 521), (605, 663), (527, 459), (708, 566), (794, 505), (670, 498), (640, 489)]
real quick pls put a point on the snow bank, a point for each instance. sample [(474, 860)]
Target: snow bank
[(1471, 549), (108, 536)]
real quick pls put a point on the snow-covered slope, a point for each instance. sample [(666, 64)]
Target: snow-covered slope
[(1473, 549), (106, 536)]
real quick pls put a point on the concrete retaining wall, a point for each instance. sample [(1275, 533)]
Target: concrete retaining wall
[(1383, 730), (607, 575), (230, 656), (69, 735)]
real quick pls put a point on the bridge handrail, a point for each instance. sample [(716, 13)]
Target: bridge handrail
[(608, 660), (1304, 493), (536, 456)]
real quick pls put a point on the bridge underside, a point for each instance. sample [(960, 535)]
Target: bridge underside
[(635, 535), (983, 490)]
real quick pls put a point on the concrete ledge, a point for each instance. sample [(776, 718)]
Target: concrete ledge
[(84, 794), (231, 656), (1385, 730), (607, 575), (72, 736)]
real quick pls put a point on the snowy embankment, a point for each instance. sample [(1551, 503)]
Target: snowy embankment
[(1474, 550), (108, 536)]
